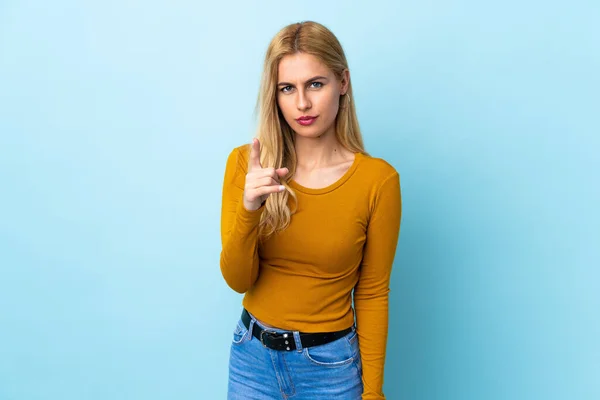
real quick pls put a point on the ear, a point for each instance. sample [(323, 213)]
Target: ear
[(344, 82)]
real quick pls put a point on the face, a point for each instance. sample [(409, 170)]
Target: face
[(308, 94)]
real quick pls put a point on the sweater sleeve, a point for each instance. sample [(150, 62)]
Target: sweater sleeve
[(371, 293), (239, 228)]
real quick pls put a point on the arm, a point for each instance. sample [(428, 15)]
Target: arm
[(239, 228), (372, 290)]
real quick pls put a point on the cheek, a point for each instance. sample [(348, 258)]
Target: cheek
[(285, 105), (332, 104)]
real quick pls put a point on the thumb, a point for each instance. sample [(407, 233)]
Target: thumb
[(282, 171)]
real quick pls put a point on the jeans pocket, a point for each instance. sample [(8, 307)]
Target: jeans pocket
[(352, 339), (332, 354), (239, 333)]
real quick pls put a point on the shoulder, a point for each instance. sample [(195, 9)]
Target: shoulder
[(241, 152), (238, 157), (377, 170), (379, 182)]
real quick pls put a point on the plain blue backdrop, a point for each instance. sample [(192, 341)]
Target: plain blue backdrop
[(116, 118)]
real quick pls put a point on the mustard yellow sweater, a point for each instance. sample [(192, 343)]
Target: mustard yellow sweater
[(342, 238)]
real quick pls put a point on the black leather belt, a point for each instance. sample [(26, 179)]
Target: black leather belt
[(285, 340)]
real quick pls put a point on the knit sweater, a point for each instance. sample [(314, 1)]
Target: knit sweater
[(339, 246)]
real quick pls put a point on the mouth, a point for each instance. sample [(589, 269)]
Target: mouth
[(306, 120)]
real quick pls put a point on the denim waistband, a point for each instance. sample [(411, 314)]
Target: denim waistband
[(257, 322)]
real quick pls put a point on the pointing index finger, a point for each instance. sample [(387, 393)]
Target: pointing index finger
[(255, 154)]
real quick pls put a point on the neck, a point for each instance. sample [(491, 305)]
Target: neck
[(318, 152)]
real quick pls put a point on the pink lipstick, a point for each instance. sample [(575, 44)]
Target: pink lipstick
[(306, 120)]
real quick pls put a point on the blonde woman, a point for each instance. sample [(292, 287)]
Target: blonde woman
[(310, 222)]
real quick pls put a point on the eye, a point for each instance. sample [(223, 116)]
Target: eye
[(318, 84), (286, 89)]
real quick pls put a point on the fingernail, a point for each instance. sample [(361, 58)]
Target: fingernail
[(281, 187)]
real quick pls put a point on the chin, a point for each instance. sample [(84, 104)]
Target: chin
[(312, 134), (310, 131)]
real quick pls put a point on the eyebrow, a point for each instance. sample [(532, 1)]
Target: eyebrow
[(310, 80)]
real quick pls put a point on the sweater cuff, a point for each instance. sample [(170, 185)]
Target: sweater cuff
[(249, 217)]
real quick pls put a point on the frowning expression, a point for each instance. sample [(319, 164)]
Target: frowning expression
[(308, 94)]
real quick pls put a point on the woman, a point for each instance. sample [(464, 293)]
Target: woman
[(308, 220)]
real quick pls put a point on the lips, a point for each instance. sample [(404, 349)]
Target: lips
[(306, 120)]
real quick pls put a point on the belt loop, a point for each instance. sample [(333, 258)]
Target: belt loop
[(298, 341), (250, 330), (251, 326)]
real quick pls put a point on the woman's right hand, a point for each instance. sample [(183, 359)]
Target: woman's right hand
[(260, 182)]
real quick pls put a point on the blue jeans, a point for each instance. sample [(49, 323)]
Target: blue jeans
[(332, 371)]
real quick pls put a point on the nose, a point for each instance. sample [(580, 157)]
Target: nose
[(302, 101)]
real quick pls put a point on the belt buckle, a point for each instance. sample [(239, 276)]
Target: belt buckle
[(262, 333)]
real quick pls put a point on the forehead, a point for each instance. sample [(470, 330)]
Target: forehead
[(300, 67)]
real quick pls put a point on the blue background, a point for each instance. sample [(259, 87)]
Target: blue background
[(116, 118)]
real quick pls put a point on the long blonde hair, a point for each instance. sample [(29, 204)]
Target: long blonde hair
[(276, 136)]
